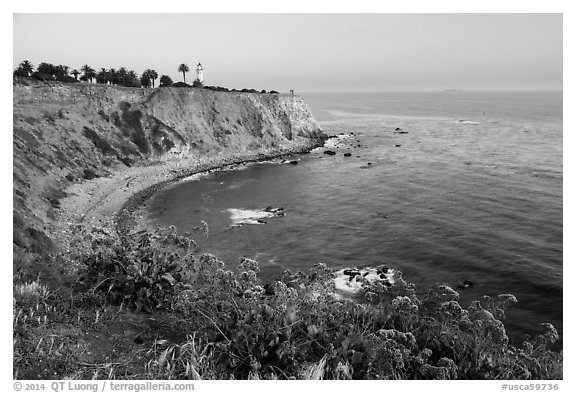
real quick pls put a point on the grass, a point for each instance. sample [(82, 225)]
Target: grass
[(150, 308)]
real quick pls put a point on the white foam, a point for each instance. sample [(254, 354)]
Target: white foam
[(253, 216), (352, 284), (333, 142)]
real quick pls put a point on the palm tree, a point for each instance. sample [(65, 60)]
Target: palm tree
[(146, 76), (131, 79), (89, 72), (183, 68), (153, 75), (61, 72), (27, 67), (64, 69), (113, 76), (75, 72), (102, 76), (121, 74)]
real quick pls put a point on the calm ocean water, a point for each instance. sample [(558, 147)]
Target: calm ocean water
[(472, 192)]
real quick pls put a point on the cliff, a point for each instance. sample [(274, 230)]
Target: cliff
[(67, 137)]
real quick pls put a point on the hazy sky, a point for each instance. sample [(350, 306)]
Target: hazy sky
[(309, 52)]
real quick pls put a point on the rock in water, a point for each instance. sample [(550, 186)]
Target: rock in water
[(465, 284), (350, 281), (254, 216)]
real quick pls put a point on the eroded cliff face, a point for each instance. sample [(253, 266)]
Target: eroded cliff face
[(69, 133)]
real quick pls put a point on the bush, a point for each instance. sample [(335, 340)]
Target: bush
[(66, 79), (145, 271), (166, 81), (20, 72), (298, 327), (89, 174), (197, 83), (100, 143), (42, 77), (145, 81)]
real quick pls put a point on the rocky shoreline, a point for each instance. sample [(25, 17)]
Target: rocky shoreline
[(115, 203)]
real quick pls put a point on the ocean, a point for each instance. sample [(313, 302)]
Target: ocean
[(469, 190)]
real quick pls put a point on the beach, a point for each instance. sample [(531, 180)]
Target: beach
[(109, 202)]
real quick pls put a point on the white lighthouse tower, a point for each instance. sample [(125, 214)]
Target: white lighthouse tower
[(199, 72)]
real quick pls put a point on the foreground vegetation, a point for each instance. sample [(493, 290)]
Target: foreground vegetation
[(204, 321)]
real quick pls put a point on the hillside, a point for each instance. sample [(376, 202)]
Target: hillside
[(75, 144)]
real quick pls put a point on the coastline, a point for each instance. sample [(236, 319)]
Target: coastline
[(113, 203)]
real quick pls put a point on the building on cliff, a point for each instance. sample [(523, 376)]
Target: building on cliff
[(200, 73)]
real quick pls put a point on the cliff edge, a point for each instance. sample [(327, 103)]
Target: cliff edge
[(80, 149)]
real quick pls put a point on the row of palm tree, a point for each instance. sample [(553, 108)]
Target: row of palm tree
[(149, 76), (120, 76)]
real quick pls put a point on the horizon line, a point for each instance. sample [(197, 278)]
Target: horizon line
[(447, 91)]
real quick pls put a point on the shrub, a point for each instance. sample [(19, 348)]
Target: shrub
[(100, 143), (20, 72), (197, 83), (66, 79), (166, 81), (89, 174), (298, 327), (42, 77), (145, 80), (144, 271)]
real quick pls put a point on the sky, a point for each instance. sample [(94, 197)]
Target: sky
[(309, 52)]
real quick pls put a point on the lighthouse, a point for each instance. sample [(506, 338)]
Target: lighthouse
[(199, 73)]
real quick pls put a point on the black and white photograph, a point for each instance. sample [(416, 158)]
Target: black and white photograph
[(286, 196)]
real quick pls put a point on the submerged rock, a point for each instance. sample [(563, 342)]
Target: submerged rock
[(465, 284), (329, 152), (347, 154)]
